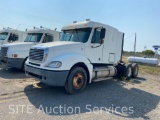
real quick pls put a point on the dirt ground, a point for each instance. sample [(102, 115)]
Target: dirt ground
[(26, 98)]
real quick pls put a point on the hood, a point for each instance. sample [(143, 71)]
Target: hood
[(19, 46), (59, 45), (58, 48)]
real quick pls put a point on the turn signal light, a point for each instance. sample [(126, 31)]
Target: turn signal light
[(15, 55)]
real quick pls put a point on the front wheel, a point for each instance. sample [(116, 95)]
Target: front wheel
[(76, 80)]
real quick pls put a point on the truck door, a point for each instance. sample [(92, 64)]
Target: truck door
[(95, 55)]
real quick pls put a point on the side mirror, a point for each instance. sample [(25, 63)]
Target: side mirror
[(103, 32)]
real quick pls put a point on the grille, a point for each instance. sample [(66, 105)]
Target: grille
[(36, 54), (4, 51)]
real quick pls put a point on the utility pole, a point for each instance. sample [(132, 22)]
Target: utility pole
[(135, 44), (145, 47)]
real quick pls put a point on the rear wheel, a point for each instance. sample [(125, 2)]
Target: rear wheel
[(135, 70), (128, 72), (76, 81)]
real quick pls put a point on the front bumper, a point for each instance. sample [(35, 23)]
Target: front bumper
[(3, 62), (53, 78), (11, 62)]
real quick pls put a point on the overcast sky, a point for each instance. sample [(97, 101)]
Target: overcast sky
[(128, 16)]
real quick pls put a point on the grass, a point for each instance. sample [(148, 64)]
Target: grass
[(145, 69)]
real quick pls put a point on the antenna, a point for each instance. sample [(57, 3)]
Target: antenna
[(17, 27)]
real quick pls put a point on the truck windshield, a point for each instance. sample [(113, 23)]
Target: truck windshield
[(76, 35), (33, 37), (3, 35)]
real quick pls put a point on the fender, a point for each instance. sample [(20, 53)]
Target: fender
[(69, 60)]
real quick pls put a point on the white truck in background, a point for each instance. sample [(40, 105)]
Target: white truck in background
[(15, 54), (10, 35), (87, 52)]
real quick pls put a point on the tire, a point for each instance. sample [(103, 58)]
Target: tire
[(76, 80), (128, 72), (23, 65), (135, 70)]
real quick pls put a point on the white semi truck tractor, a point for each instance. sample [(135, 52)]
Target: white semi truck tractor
[(10, 35), (15, 54), (87, 52)]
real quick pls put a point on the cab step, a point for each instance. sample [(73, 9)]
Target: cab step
[(101, 79)]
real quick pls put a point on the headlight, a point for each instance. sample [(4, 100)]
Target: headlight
[(54, 64)]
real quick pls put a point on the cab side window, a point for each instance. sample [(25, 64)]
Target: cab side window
[(96, 36), (48, 38), (13, 37)]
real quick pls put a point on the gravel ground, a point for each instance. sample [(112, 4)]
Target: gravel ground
[(26, 98)]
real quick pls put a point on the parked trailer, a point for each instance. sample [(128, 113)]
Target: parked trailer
[(87, 52), (15, 54)]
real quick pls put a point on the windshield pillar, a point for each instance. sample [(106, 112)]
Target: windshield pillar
[(90, 37)]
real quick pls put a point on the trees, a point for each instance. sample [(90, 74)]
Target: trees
[(148, 52)]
